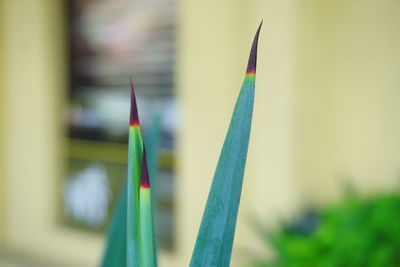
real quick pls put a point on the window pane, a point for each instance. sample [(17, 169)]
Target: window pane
[(111, 41)]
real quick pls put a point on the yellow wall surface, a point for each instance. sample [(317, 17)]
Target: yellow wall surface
[(347, 97), (34, 43), (2, 118)]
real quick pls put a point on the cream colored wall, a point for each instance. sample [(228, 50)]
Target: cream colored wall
[(2, 118), (34, 45), (348, 97), (366, 74)]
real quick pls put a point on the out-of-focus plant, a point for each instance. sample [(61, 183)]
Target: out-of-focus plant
[(355, 232), (131, 240), (116, 245)]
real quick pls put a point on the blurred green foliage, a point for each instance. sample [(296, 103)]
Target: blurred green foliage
[(355, 232)]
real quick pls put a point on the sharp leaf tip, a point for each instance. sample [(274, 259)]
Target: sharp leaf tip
[(134, 116), (251, 67), (144, 179)]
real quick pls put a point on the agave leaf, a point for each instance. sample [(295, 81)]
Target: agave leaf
[(135, 155), (141, 250), (116, 241), (115, 251), (147, 238), (152, 140), (215, 238)]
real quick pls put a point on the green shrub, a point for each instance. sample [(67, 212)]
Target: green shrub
[(355, 232)]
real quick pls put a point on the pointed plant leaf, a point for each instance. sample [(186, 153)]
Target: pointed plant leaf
[(215, 238), (135, 155), (115, 250), (152, 140), (147, 238), (141, 249), (116, 240)]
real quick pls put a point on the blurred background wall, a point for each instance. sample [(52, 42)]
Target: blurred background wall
[(348, 98), (326, 115)]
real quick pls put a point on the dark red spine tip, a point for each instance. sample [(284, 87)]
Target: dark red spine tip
[(144, 178), (251, 66), (134, 117)]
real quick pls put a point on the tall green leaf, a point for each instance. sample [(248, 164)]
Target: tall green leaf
[(215, 238), (152, 139), (116, 240), (148, 247), (141, 248), (135, 157), (115, 250)]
